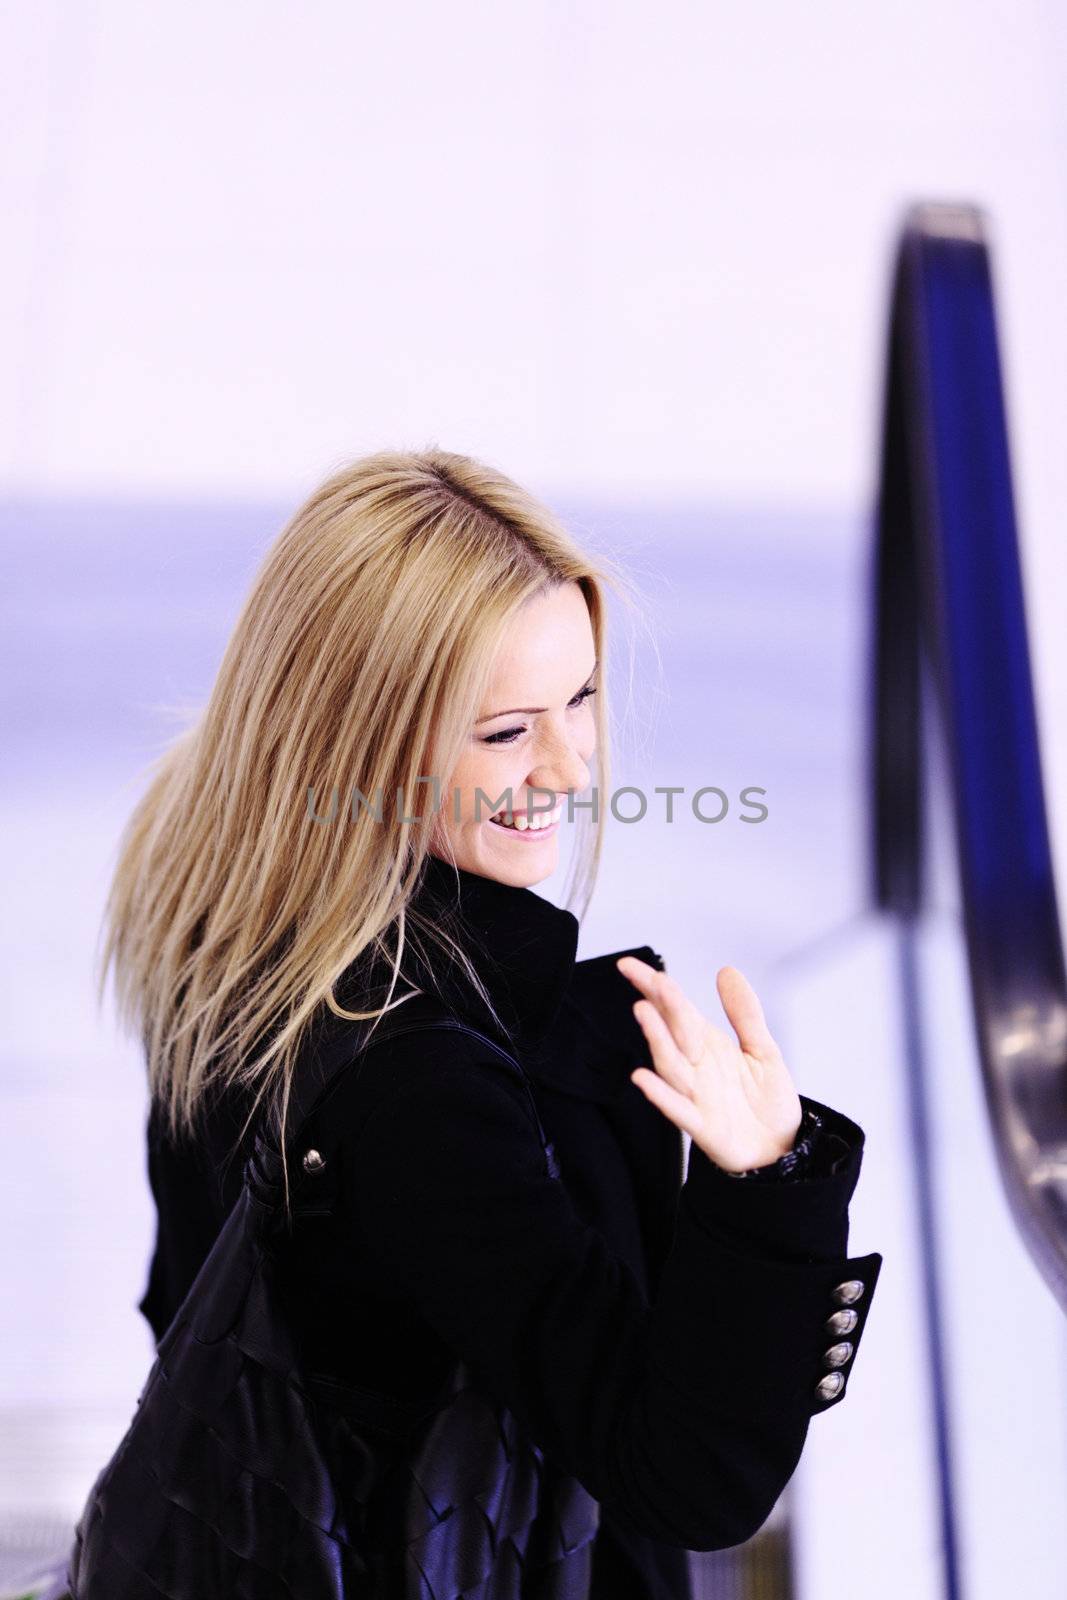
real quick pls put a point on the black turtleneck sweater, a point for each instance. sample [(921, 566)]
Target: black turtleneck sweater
[(662, 1338)]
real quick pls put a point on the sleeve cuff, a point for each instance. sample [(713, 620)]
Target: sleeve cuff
[(815, 1152), (803, 1219)]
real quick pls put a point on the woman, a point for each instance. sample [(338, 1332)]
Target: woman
[(416, 681)]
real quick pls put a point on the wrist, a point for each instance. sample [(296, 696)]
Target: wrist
[(782, 1162)]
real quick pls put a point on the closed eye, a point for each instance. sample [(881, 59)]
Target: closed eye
[(509, 735)]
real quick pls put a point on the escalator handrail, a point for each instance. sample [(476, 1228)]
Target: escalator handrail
[(949, 601)]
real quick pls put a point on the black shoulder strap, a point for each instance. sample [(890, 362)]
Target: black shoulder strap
[(456, 1026), (421, 1013)]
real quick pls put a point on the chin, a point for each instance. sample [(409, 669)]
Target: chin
[(505, 862), (524, 880)]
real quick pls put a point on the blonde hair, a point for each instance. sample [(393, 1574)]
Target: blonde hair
[(359, 660)]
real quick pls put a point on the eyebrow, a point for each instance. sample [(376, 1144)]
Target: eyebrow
[(529, 711)]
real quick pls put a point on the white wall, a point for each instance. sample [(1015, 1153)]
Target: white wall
[(620, 247)]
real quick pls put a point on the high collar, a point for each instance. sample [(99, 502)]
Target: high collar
[(521, 946)]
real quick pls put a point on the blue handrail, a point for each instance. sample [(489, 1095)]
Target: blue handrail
[(950, 602)]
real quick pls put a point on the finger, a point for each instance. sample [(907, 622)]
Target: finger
[(742, 1005), (668, 1059), (711, 1043), (678, 1107), (685, 1021)]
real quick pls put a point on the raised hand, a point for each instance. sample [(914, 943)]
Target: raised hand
[(733, 1096)]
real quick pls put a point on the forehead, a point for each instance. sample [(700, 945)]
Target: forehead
[(549, 638)]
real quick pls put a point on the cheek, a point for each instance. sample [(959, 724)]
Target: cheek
[(485, 769)]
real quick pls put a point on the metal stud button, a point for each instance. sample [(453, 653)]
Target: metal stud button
[(313, 1161), (841, 1322), (838, 1354), (831, 1385), (847, 1292)]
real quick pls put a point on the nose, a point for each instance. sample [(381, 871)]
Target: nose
[(565, 769)]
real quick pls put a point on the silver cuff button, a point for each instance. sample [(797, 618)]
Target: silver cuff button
[(841, 1322), (313, 1161), (847, 1292), (831, 1385), (838, 1354)]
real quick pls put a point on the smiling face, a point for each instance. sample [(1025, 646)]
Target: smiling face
[(535, 732)]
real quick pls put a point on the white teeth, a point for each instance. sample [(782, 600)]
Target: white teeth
[(519, 820)]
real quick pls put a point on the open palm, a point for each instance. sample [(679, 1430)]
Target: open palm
[(733, 1096)]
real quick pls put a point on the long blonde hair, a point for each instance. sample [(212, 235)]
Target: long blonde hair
[(358, 661)]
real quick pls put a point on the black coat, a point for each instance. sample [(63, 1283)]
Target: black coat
[(663, 1341)]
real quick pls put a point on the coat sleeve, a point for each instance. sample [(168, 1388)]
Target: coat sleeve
[(686, 1417)]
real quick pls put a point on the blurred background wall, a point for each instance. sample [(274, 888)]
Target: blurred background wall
[(629, 250)]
